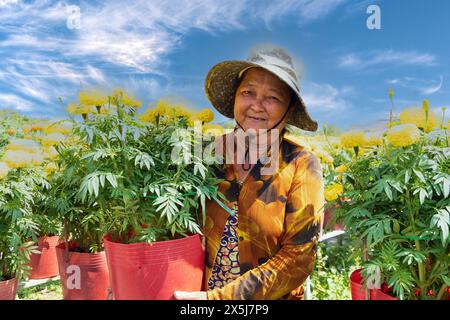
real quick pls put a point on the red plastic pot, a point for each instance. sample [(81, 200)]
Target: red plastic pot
[(142, 271), (84, 276), (377, 294), (356, 286), (8, 289), (359, 292), (45, 264)]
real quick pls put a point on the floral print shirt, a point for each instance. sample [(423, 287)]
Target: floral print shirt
[(226, 267), (279, 224)]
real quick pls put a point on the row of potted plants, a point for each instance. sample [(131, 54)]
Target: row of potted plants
[(394, 203), (127, 209)]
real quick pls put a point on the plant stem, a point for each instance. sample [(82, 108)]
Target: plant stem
[(441, 291), (421, 272)]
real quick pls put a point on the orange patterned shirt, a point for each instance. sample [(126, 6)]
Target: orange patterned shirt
[(280, 221)]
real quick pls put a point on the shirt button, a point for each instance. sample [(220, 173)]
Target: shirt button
[(241, 238)]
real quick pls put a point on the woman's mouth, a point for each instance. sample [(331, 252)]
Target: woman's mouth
[(256, 118)]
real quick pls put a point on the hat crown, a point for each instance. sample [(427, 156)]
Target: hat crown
[(276, 57)]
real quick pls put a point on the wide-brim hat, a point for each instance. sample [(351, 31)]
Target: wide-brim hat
[(223, 78)]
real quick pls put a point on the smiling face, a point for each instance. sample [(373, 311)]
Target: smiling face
[(261, 100)]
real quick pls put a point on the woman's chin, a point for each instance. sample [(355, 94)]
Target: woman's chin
[(256, 125)]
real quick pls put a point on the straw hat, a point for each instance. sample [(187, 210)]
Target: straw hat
[(223, 78)]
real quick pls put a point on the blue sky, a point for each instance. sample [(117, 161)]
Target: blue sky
[(158, 49)]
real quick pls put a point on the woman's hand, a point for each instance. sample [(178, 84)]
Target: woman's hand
[(190, 295)]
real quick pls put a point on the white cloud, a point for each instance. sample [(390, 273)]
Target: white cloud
[(43, 59), (325, 97), (12, 101), (388, 57), (423, 86), (140, 34), (306, 10)]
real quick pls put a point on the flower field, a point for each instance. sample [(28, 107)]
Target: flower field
[(105, 169)]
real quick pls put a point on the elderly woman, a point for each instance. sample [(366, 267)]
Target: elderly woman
[(261, 244)]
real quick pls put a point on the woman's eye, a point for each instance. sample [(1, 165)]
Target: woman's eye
[(246, 92), (274, 98)]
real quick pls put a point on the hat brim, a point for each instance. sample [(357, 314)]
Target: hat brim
[(221, 84)]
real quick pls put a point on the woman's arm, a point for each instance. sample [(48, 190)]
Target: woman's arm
[(293, 263)]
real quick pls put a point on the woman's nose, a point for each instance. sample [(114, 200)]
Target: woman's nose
[(258, 105)]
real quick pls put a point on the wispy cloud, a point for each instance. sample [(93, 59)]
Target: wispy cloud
[(42, 59), (325, 97), (15, 102), (423, 86), (306, 10), (383, 58)]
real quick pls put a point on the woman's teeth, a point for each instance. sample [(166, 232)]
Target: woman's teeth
[(256, 118)]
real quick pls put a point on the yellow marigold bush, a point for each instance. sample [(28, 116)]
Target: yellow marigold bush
[(403, 135), (417, 116), (353, 139), (18, 159), (333, 191)]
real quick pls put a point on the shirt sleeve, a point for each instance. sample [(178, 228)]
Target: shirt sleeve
[(292, 264)]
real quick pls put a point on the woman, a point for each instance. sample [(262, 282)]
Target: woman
[(262, 244)]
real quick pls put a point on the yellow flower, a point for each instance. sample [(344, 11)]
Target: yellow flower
[(26, 129), (373, 139), (403, 135), (333, 191), (50, 168), (148, 116), (52, 139), (11, 132), (390, 93), (18, 158), (182, 112), (120, 96), (4, 169), (50, 153), (39, 126), (353, 139), (23, 145), (206, 115), (80, 109), (59, 127), (92, 98), (417, 116), (323, 156), (108, 109), (341, 169), (213, 129)]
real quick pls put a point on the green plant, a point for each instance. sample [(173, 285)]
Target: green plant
[(17, 227), (399, 208), (117, 177), (334, 262)]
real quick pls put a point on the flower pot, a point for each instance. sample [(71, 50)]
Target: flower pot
[(359, 292), (143, 271), (8, 289), (45, 264), (356, 286), (377, 294), (84, 276)]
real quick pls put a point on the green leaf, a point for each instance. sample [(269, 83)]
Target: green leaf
[(419, 175), (407, 175), (442, 220), (388, 191), (422, 195)]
